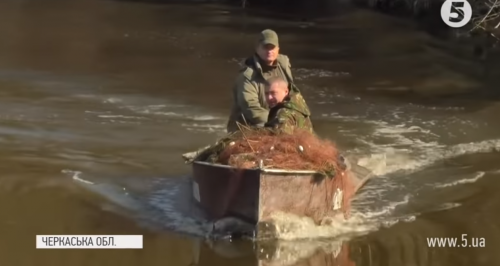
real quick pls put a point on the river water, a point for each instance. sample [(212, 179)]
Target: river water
[(100, 98)]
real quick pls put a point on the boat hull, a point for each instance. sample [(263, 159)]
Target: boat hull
[(254, 195), (226, 192)]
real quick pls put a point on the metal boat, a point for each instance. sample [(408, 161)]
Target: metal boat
[(253, 195)]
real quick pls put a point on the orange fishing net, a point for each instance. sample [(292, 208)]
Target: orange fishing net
[(299, 151)]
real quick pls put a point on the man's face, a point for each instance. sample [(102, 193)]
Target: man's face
[(268, 52), (276, 93)]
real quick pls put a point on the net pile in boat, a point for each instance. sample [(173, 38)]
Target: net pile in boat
[(299, 151), (302, 150)]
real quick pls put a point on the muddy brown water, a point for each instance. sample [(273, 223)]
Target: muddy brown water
[(98, 100)]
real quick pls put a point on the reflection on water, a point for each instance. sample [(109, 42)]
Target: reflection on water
[(327, 253)]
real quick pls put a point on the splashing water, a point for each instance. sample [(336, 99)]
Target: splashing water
[(169, 204), (394, 149)]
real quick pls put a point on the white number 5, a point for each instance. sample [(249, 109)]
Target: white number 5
[(451, 10)]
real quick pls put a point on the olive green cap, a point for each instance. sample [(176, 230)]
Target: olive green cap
[(268, 37)]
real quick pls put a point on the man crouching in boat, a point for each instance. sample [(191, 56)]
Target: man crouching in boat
[(288, 109)]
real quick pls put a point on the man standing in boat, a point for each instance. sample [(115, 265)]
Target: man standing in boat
[(250, 106), (289, 110)]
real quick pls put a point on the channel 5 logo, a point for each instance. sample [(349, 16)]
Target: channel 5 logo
[(456, 13)]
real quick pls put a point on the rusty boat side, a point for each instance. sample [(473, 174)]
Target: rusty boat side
[(253, 195)]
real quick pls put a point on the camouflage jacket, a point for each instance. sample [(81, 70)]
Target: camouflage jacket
[(293, 113)]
